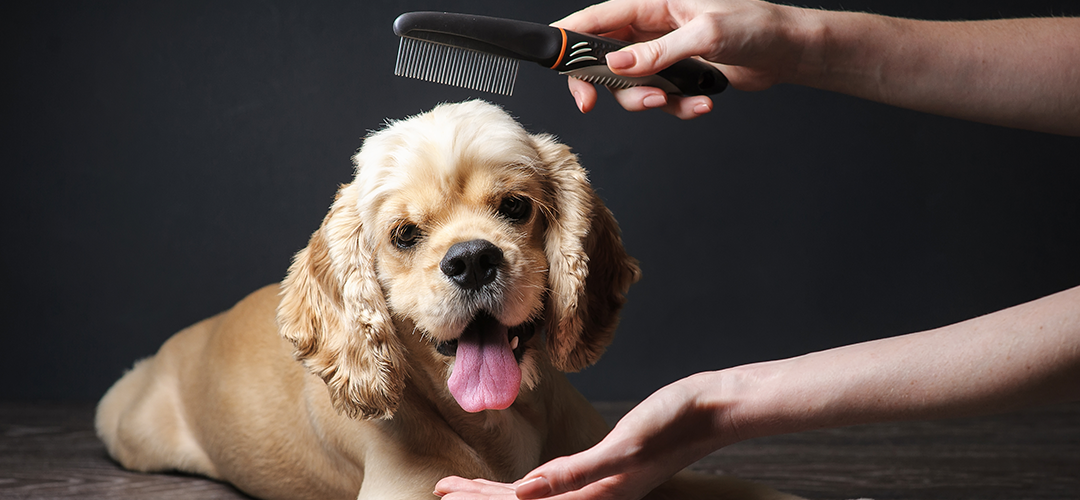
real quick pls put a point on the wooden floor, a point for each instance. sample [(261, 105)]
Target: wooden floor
[(49, 450)]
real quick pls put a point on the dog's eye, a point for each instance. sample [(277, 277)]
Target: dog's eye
[(406, 235), (515, 208)]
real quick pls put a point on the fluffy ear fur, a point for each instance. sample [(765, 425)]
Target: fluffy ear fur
[(333, 310), (589, 271)]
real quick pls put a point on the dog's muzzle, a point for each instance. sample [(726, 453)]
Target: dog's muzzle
[(487, 354)]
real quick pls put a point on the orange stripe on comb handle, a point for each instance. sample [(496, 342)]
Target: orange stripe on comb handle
[(562, 53)]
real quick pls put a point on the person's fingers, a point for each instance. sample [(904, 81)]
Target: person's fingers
[(471, 495), (644, 98), (458, 485), (640, 98), (602, 17), (688, 107), (584, 94), (555, 477), (572, 473), (536, 487), (698, 37)]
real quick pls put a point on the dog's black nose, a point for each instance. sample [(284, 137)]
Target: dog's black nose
[(472, 264)]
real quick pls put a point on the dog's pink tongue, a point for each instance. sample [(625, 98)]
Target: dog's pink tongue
[(486, 376)]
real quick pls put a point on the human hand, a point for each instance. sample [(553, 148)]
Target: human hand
[(671, 429), (752, 42)]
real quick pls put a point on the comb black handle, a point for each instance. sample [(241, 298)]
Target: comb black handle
[(518, 39), (689, 76), (559, 49)]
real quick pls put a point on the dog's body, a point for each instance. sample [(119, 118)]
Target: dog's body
[(414, 313), (225, 398)]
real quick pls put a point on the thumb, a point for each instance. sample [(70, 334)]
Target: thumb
[(565, 474), (647, 58)]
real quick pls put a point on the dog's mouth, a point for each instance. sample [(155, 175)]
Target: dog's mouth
[(516, 336), (486, 373)]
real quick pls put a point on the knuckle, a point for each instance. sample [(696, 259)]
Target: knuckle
[(708, 31), (568, 477), (651, 52), (575, 480)]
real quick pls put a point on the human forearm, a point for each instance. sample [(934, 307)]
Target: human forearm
[(1025, 355), (1022, 356), (1022, 73)]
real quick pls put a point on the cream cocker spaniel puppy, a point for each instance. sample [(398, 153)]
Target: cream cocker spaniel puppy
[(422, 333)]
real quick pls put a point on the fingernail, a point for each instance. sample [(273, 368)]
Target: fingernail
[(654, 101), (577, 100), (620, 59), (702, 109), (537, 487)]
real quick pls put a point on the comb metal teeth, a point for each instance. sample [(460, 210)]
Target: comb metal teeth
[(600, 74), (449, 65)]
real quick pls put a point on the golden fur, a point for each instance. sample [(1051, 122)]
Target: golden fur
[(365, 412)]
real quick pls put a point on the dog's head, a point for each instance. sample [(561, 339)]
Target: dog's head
[(482, 237)]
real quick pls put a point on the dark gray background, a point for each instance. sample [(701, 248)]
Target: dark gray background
[(165, 158)]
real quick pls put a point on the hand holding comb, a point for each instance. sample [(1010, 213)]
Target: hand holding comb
[(482, 53)]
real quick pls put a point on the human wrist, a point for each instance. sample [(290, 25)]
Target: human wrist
[(849, 52), (806, 32), (732, 396), (755, 402)]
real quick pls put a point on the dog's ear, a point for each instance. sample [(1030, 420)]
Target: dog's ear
[(589, 271), (333, 310)]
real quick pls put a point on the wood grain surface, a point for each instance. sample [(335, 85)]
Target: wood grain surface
[(49, 450)]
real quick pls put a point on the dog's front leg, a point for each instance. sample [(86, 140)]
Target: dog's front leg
[(407, 483), (393, 475)]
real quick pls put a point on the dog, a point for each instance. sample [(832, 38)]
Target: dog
[(422, 333)]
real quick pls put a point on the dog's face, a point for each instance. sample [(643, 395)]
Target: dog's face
[(480, 236), (458, 222)]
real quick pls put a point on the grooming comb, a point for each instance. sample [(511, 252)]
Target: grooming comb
[(482, 53)]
